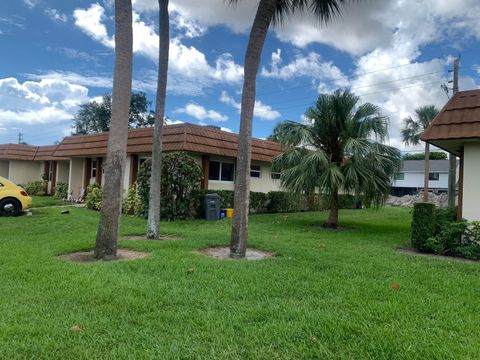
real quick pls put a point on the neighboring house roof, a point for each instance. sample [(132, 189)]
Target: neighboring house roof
[(27, 152), (181, 137), (458, 120), (419, 166)]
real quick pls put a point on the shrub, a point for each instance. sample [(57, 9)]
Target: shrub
[(61, 190), (132, 204), (434, 155), (181, 177), (422, 226), (258, 202), (35, 188), (93, 200), (281, 201)]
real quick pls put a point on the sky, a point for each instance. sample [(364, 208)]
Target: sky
[(56, 55)]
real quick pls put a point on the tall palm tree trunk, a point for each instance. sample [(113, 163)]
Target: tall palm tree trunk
[(153, 225), (427, 172), (261, 23), (107, 233)]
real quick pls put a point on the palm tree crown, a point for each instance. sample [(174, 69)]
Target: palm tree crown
[(342, 150), (414, 128)]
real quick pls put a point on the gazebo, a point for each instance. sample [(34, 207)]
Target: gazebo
[(456, 129)]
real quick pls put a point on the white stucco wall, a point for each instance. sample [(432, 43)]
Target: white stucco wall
[(4, 168), (22, 172), (415, 180), (471, 181), (75, 177), (63, 169)]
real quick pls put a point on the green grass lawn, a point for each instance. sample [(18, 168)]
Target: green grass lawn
[(45, 201), (308, 302)]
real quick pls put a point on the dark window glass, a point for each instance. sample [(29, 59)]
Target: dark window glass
[(227, 172), (94, 169), (435, 176), (214, 171), (255, 171), (275, 175), (400, 176)]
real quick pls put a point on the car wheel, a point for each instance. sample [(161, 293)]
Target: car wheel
[(9, 207)]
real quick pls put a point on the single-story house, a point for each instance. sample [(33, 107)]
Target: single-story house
[(410, 179), (84, 155), (25, 163), (456, 129)]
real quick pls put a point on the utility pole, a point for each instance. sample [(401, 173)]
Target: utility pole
[(20, 138), (452, 170)]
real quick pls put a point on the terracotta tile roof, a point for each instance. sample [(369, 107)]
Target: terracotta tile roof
[(459, 119), (182, 137), (28, 152)]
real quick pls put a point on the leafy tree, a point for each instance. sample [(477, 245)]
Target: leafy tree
[(268, 11), (413, 128), (153, 223), (94, 117), (107, 233), (341, 150), (436, 155)]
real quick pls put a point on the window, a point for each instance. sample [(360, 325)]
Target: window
[(434, 176), (400, 176), (220, 171), (275, 175), (255, 171), (93, 173)]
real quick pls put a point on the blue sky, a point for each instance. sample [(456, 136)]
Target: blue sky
[(57, 55)]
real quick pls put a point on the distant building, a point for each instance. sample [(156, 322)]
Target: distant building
[(410, 179)]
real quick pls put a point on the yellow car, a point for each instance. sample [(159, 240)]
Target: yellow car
[(13, 198)]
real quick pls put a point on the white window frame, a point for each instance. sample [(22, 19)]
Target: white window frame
[(220, 169), (93, 168), (259, 171)]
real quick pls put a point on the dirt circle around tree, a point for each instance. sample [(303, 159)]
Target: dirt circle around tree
[(223, 253), (143, 237), (88, 256)]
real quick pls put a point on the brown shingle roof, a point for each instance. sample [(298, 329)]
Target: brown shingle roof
[(28, 152), (459, 119), (182, 137)]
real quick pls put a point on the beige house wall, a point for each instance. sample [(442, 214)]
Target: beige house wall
[(22, 172), (75, 177), (4, 168), (471, 176), (63, 169)]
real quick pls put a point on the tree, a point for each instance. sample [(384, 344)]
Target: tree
[(411, 132), (435, 155), (94, 117), (153, 223), (268, 11), (341, 150), (107, 233)]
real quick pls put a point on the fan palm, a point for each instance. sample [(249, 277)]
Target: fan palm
[(411, 132), (341, 150), (268, 11)]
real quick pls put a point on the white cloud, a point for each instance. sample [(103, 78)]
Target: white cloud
[(42, 102), (187, 65), (305, 66), (56, 15), (31, 3), (261, 110), (90, 21), (200, 113)]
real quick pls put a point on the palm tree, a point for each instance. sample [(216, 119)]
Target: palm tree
[(268, 11), (107, 233), (411, 132), (153, 225), (341, 150)]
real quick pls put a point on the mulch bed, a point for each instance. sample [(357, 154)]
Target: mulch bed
[(412, 251), (88, 257), (142, 237), (223, 253)]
